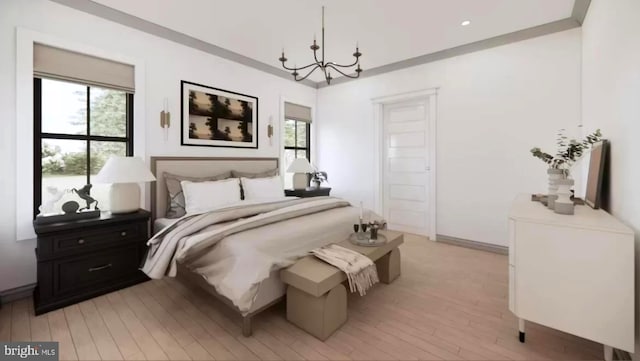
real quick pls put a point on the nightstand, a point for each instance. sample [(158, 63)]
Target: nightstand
[(78, 260), (309, 192)]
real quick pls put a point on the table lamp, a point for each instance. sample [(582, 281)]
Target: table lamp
[(124, 174), (300, 167)]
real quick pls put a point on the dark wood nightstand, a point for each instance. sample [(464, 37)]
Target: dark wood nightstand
[(81, 259), (309, 192)]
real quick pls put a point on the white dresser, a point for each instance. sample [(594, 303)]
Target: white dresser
[(573, 273)]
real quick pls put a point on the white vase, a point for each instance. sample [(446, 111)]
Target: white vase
[(554, 176), (563, 204)]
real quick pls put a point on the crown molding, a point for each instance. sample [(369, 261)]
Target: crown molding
[(148, 27), (580, 9), (578, 14), (520, 35)]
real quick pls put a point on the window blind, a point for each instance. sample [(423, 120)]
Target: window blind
[(297, 112), (56, 63)]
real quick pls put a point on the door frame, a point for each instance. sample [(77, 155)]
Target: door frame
[(431, 96)]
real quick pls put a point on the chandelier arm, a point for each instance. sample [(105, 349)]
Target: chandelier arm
[(308, 66), (345, 74), (344, 66), (286, 67), (304, 67), (315, 56), (309, 73)]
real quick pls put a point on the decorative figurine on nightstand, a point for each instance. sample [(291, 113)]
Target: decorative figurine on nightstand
[(84, 194), (319, 177), (54, 196), (70, 209)]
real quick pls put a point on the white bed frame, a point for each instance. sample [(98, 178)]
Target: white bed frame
[(271, 290)]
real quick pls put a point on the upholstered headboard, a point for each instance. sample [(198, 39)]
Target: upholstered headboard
[(198, 167)]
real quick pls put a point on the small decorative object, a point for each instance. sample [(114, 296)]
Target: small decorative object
[(54, 196), (165, 119), (84, 194), (563, 204), (318, 177), (218, 118), (124, 173), (300, 167), (325, 67), (554, 176), (569, 152), (375, 226), (70, 207)]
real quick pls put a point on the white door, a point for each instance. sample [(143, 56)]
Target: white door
[(406, 166)]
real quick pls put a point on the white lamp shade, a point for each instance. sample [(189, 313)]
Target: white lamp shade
[(124, 170), (300, 165)]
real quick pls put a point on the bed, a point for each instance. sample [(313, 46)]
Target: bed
[(270, 290)]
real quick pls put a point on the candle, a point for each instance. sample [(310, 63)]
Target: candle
[(360, 210)]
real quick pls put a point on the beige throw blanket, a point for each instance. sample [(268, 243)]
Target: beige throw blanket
[(360, 270)]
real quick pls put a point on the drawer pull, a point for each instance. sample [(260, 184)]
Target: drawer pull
[(123, 234), (81, 241), (100, 268)]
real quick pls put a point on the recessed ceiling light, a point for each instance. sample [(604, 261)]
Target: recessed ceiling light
[(466, 22)]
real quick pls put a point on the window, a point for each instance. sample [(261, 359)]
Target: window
[(297, 135), (297, 139), (76, 129)]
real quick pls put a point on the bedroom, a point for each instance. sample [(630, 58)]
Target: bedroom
[(532, 68)]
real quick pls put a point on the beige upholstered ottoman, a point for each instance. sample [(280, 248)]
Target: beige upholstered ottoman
[(316, 297)]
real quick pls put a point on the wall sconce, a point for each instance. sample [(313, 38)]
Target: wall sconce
[(270, 130), (165, 118)]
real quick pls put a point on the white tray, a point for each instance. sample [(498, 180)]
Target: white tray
[(367, 241)]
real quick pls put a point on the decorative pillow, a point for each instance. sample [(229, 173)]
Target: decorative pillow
[(257, 188), (207, 196), (268, 173), (175, 197)]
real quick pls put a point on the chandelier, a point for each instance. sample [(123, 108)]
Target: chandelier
[(325, 67)]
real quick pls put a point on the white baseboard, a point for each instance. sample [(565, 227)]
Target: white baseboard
[(17, 293), (494, 248)]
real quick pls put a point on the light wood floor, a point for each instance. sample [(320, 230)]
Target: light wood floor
[(450, 303)]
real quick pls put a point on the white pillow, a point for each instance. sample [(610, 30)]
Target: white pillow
[(207, 196), (261, 188)]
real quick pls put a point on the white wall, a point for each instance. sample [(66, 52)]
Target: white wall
[(611, 101), (166, 63), (494, 106)]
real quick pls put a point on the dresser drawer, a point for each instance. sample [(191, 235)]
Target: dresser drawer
[(72, 274), (80, 241)]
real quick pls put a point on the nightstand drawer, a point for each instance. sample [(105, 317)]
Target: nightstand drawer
[(81, 240), (76, 273)]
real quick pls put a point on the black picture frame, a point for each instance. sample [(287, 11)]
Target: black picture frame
[(196, 128), (595, 179)]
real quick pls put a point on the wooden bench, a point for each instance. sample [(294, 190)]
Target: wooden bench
[(316, 296)]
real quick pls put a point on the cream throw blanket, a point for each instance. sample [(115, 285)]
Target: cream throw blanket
[(360, 270)]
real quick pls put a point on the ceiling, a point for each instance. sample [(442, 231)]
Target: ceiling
[(388, 31)]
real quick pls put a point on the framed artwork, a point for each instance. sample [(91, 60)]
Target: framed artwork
[(596, 175), (214, 117)]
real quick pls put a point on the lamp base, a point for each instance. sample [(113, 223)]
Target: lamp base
[(300, 181), (124, 197)]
